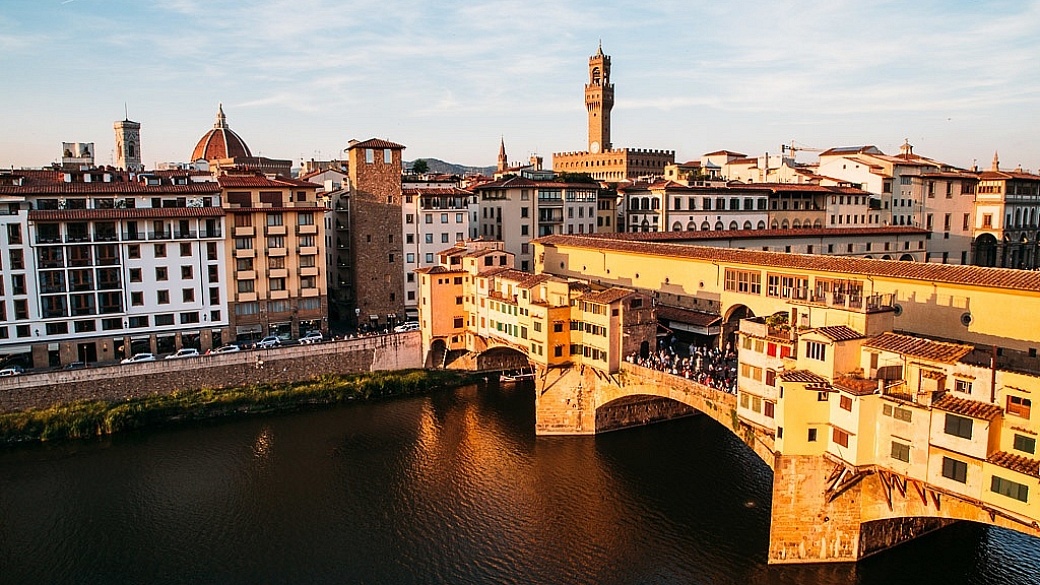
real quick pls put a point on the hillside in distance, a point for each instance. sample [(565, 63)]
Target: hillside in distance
[(440, 166)]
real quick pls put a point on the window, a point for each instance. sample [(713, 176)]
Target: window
[(185, 250), (244, 264), (963, 386), (245, 286), (160, 250), (166, 319), (308, 219), (815, 350), (186, 272), (162, 297), (137, 299), (840, 437), (1009, 488), (958, 426), (1025, 444), (188, 295), (388, 156), (812, 436), (901, 451), (1019, 406), (955, 470), (160, 273), (243, 243), (135, 275), (845, 403)]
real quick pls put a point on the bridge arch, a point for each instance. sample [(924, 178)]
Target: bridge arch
[(501, 357)]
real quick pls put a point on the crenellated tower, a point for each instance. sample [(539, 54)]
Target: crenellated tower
[(599, 100)]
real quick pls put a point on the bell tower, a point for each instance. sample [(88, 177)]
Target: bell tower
[(128, 145), (599, 100)]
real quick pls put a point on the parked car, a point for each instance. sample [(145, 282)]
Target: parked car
[(226, 349), (312, 337), (184, 352), (139, 357), (74, 366), (269, 342), (405, 327), (11, 371)]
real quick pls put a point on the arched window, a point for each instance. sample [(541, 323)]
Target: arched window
[(705, 226), (761, 224), (646, 225), (691, 226), (817, 224), (775, 225), (719, 227), (747, 225), (676, 227), (733, 225), (655, 203), (796, 224), (785, 225)]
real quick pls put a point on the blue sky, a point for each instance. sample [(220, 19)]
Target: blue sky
[(300, 78)]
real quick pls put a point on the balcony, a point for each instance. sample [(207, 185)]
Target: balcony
[(276, 230), (242, 231), (245, 253), (186, 235), (277, 273), (246, 275), (163, 235), (277, 295), (276, 252), (133, 236), (306, 230), (308, 250), (246, 297), (310, 292), (214, 233), (309, 271)]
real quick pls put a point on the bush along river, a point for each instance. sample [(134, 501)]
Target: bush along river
[(443, 486)]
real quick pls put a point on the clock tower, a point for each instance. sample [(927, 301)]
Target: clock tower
[(599, 100)]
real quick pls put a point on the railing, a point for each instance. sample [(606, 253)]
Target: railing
[(163, 235), (186, 235)]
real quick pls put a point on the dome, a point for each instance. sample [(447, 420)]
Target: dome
[(220, 142)]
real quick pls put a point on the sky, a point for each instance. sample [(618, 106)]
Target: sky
[(298, 79)]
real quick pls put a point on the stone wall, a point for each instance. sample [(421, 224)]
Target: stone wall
[(286, 364), (637, 411)]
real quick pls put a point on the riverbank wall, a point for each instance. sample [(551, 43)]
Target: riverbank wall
[(399, 351)]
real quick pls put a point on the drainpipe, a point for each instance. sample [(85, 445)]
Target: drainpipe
[(993, 376)]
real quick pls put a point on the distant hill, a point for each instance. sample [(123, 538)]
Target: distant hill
[(439, 166)]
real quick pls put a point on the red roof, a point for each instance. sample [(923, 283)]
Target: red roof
[(966, 407), (220, 142), (920, 347), (376, 143), (247, 181), (684, 235)]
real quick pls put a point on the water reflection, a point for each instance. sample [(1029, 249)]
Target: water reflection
[(448, 488)]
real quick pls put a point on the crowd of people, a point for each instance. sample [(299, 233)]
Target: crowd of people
[(710, 366)]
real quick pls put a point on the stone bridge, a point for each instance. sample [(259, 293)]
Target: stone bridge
[(822, 510)]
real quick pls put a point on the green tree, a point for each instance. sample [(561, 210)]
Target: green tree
[(420, 167)]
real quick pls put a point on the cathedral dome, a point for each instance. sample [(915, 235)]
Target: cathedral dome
[(220, 142)]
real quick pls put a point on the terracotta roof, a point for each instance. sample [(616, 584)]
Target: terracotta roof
[(220, 142), (232, 181), (517, 182), (134, 213), (966, 407), (1007, 278), (691, 317), (685, 236), (839, 333), (520, 278), (112, 188), (607, 296), (840, 150), (729, 152), (376, 143), (856, 386), (438, 269), (919, 347), (802, 376), (436, 191), (1005, 175), (1018, 463)]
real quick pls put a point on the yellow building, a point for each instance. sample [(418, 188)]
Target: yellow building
[(474, 301), (277, 282)]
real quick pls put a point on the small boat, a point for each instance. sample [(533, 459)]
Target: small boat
[(517, 375)]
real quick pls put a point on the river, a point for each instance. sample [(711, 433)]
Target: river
[(448, 488)]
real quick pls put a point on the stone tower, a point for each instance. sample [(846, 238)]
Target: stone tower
[(599, 100), (376, 228), (128, 145)]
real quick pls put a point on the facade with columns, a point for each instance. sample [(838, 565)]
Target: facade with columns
[(1007, 214)]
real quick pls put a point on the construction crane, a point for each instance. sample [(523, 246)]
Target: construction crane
[(793, 148)]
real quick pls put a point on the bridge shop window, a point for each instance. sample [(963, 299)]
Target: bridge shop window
[(901, 451), (787, 286), (958, 426), (840, 437), (1019, 406), (743, 281), (1009, 488), (1025, 444), (955, 470)]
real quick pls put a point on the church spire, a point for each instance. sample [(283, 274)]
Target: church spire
[(503, 161), (996, 162)]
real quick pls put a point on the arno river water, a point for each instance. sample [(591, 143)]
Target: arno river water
[(448, 488)]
